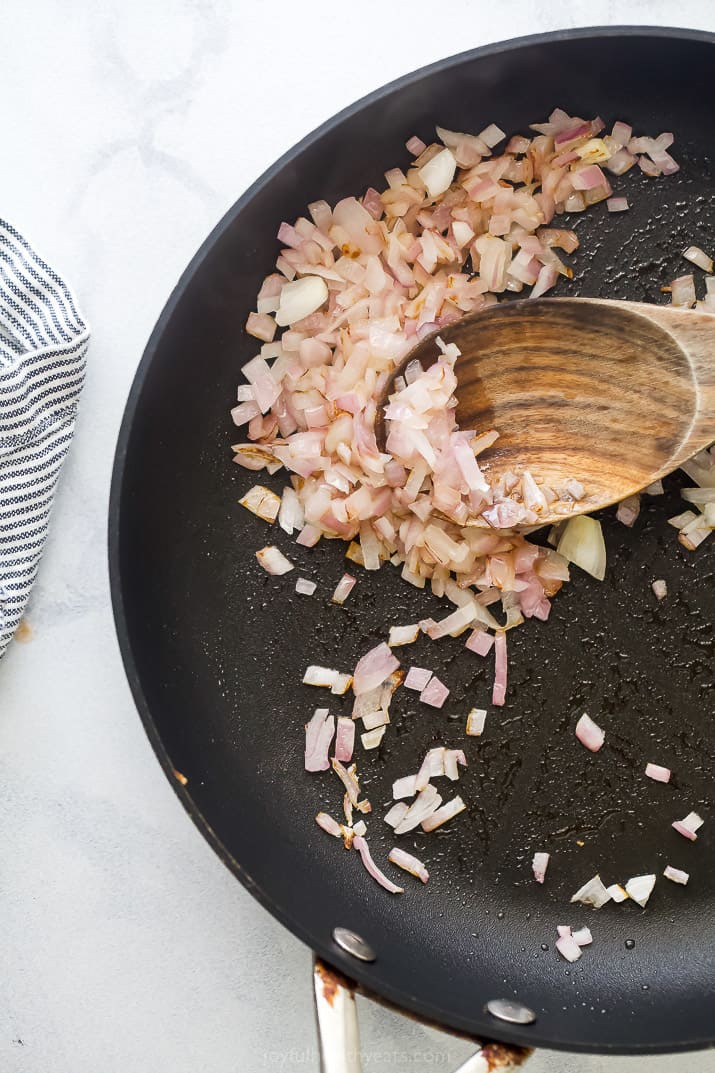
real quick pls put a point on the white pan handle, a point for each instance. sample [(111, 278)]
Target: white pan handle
[(339, 1037)]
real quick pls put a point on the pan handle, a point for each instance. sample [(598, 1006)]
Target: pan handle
[(339, 1037)]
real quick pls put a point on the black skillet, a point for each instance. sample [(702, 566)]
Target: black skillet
[(215, 649)]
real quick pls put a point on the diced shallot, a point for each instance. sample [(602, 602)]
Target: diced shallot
[(568, 948), (582, 936), (476, 719), (660, 589), (403, 635), (304, 587), (500, 665), (373, 668), (443, 814), (434, 693), (640, 888), (361, 846), (409, 863), (539, 865), (343, 589), (344, 739), (328, 824), (262, 502), (688, 827), (676, 874), (397, 813), (318, 736), (417, 678), (592, 893), (658, 773), (273, 560), (589, 733)]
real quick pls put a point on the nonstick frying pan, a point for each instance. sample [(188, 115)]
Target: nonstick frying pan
[(215, 649)]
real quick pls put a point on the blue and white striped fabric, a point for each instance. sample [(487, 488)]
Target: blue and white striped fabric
[(43, 344)]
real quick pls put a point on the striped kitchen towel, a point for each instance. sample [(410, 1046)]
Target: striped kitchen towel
[(43, 343)]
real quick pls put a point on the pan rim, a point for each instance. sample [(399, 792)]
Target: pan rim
[(357, 970)]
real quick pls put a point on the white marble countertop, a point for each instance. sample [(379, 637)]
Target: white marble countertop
[(129, 128)]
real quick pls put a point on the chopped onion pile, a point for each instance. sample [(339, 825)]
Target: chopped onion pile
[(355, 287)]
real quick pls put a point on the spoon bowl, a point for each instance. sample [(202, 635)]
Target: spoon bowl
[(612, 394)]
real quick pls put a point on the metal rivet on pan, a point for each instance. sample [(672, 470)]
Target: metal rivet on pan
[(353, 944), (513, 1012)]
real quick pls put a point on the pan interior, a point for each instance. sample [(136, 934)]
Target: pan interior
[(215, 649)]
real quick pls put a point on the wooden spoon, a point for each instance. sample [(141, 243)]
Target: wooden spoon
[(613, 394)]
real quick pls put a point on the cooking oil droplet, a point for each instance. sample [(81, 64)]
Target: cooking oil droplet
[(630, 943), (500, 915), (544, 946), (645, 987)]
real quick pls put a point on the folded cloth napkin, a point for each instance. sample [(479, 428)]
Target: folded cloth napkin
[(43, 344)]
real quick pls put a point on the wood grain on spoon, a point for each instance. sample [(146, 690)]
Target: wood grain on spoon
[(613, 394)]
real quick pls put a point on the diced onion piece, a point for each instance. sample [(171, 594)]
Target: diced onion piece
[(539, 865), (628, 510), (582, 936), (273, 561), (344, 739), (581, 542), (660, 589), (617, 892), (654, 489), (372, 739), (500, 668), (305, 587), (404, 787), (682, 292), (409, 863), (563, 929), (375, 720), (397, 813), (480, 641), (360, 828), (300, 298), (589, 733), (373, 668), (320, 676), (343, 589), (689, 827), (640, 888), (592, 893), (328, 824), (437, 173), (676, 874), (475, 722), (658, 773), (443, 814), (617, 204), (698, 257), (341, 684), (434, 693), (417, 678), (492, 135), (568, 948), (262, 502), (261, 326), (318, 736), (426, 802), (403, 635), (361, 846)]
